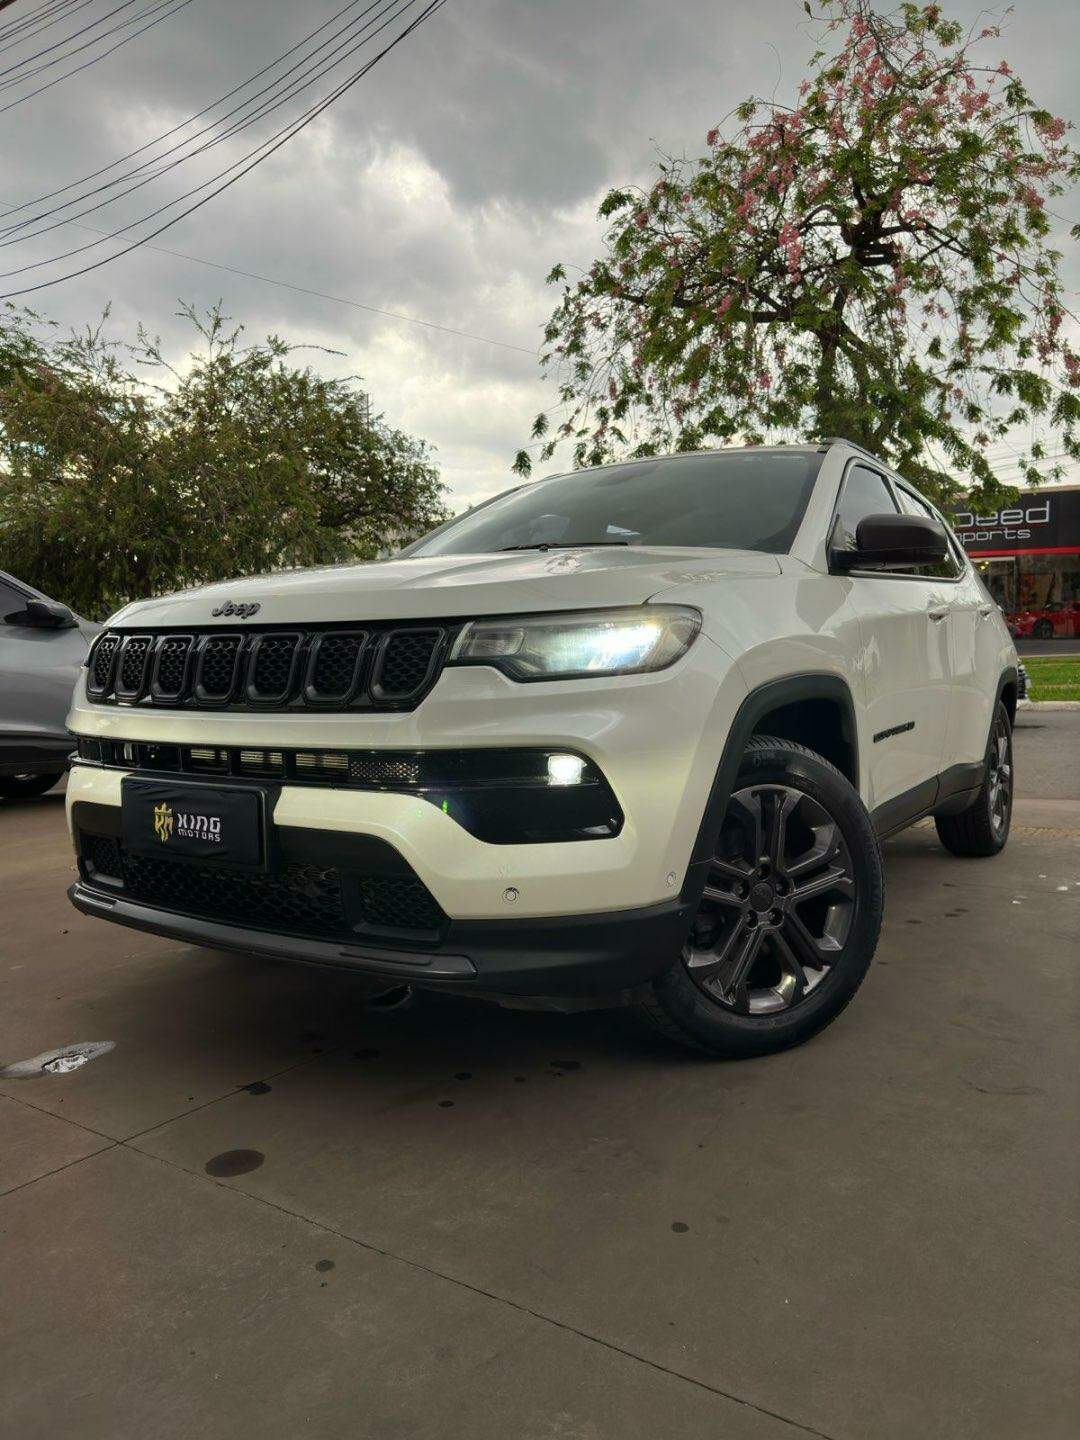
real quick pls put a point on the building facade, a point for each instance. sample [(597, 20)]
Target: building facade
[(1028, 555)]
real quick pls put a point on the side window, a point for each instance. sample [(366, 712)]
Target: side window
[(865, 493), (951, 568)]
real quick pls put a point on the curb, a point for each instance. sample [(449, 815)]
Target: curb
[(1048, 704)]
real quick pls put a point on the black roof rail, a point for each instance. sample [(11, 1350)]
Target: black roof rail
[(827, 440)]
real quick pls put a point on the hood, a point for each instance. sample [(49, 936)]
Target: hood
[(447, 586)]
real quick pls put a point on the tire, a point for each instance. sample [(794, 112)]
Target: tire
[(1042, 630), (983, 828), (743, 985), (25, 787)]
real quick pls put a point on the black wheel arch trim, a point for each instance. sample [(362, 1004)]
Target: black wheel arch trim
[(811, 685)]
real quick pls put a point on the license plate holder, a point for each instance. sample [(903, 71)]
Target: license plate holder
[(225, 825)]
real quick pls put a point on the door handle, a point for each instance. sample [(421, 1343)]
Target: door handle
[(938, 613)]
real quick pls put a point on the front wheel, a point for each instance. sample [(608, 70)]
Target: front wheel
[(25, 787), (789, 917)]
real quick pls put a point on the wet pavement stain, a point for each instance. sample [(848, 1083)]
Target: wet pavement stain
[(257, 1087), (234, 1162), (323, 1266), (446, 1104), (680, 1227), (463, 1075)]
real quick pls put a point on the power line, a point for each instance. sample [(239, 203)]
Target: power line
[(168, 6), (267, 148), (336, 299), (33, 220), (59, 44), (40, 200), (36, 23)]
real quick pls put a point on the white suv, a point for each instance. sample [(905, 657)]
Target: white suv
[(632, 733)]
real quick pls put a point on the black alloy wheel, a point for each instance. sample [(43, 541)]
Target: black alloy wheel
[(777, 908), (789, 915), (983, 828)]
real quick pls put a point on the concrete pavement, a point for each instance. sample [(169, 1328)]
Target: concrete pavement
[(270, 1212)]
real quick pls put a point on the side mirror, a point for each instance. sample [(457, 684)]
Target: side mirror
[(883, 540), (43, 615)]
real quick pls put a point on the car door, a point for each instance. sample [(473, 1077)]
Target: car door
[(903, 621), (973, 644)]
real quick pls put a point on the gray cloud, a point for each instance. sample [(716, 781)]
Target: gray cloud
[(444, 186)]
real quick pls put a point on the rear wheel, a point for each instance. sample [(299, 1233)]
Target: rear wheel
[(983, 828), (1042, 630), (25, 787), (789, 917)]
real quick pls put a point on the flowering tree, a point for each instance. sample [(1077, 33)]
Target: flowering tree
[(872, 262)]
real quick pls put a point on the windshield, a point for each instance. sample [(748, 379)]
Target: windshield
[(731, 499)]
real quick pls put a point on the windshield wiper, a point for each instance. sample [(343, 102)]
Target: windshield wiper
[(561, 545)]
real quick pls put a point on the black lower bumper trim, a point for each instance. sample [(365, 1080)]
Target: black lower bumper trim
[(567, 955)]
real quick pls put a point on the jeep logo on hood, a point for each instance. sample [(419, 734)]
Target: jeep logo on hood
[(242, 612)]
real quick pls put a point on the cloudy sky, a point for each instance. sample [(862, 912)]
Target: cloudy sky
[(442, 187)]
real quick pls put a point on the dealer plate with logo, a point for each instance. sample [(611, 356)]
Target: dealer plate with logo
[(194, 822)]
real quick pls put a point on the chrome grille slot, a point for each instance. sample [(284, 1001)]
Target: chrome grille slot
[(208, 758), (261, 762), (324, 764)]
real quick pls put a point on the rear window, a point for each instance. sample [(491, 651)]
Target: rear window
[(733, 500)]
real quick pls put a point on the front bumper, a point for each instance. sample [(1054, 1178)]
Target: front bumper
[(573, 955), (570, 917)]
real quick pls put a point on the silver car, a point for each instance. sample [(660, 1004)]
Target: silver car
[(42, 646)]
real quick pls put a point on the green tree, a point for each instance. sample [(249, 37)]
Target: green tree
[(123, 476), (872, 261)]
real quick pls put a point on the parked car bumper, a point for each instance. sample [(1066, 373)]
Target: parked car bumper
[(34, 754)]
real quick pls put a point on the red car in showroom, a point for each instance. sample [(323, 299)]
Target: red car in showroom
[(1056, 621)]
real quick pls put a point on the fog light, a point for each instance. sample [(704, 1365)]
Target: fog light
[(565, 769)]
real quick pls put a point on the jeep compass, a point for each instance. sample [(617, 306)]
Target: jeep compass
[(633, 733)]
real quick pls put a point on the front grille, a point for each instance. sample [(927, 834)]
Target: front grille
[(335, 666), (405, 661), (171, 667), (384, 769), (131, 671), (101, 665), (273, 659), (217, 666), (365, 669), (300, 898), (101, 855), (397, 902)]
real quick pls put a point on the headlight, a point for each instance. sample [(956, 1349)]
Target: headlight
[(574, 645)]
